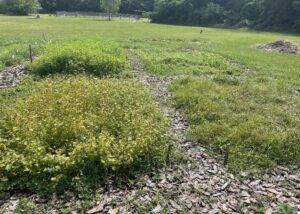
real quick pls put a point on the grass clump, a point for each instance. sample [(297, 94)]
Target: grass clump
[(12, 54), (256, 122), (188, 63), (164, 58), (95, 57), (78, 128), (26, 206)]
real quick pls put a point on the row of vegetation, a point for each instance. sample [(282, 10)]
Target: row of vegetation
[(247, 118), (66, 131), (253, 124), (170, 57), (99, 58)]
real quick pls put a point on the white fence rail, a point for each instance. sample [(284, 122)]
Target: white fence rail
[(93, 14)]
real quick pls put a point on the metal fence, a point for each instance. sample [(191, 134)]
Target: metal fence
[(93, 14)]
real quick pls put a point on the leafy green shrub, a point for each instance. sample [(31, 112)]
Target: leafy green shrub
[(76, 128), (98, 58), (257, 122)]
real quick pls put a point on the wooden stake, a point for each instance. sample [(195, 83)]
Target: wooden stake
[(226, 156), (44, 37), (170, 146), (30, 54)]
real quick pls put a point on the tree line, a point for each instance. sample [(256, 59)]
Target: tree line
[(24, 7), (258, 14)]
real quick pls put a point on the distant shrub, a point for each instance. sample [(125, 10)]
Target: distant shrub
[(71, 128), (257, 123), (98, 58)]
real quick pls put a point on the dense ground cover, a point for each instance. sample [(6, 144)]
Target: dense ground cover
[(254, 123), (242, 102), (72, 129), (95, 57)]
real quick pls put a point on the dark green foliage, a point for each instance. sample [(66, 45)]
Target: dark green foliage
[(268, 14), (67, 5), (18, 7), (71, 130), (127, 6), (98, 58), (286, 209), (255, 121), (136, 6)]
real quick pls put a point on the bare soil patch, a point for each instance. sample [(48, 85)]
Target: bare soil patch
[(281, 46)]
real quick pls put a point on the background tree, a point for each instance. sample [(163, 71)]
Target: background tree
[(259, 14), (110, 6), (49, 5), (1, 6), (19, 7), (136, 6)]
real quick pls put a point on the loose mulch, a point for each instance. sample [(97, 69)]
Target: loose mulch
[(12, 76)]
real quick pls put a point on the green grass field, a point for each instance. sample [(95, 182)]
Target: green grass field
[(18, 32), (238, 99)]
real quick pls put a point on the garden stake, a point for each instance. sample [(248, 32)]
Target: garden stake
[(30, 53)]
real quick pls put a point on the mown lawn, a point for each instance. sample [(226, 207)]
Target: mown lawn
[(237, 45), (248, 110)]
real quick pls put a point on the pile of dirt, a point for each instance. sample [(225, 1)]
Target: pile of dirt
[(281, 46)]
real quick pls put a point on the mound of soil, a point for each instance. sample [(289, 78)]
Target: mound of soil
[(281, 46)]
